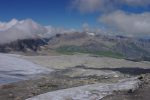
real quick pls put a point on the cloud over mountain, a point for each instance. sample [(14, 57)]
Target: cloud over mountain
[(106, 5), (14, 30), (114, 16), (58, 30), (128, 23), (27, 29)]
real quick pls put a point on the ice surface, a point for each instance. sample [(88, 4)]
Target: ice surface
[(13, 68), (89, 92)]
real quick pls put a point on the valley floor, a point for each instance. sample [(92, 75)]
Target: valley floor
[(80, 70)]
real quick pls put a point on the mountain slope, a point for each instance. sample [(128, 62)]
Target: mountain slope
[(29, 36), (111, 46), (25, 45), (24, 35)]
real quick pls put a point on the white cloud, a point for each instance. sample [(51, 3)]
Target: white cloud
[(86, 27), (86, 5), (59, 30), (5, 25), (27, 29), (14, 30), (106, 5), (128, 23), (135, 2)]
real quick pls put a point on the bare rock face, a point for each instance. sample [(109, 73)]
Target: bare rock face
[(26, 45)]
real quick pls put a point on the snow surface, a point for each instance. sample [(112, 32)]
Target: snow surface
[(89, 92), (13, 68)]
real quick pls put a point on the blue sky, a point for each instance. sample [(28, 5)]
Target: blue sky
[(73, 13), (47, 12)]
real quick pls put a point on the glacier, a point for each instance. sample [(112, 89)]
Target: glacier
[(13, 68)]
